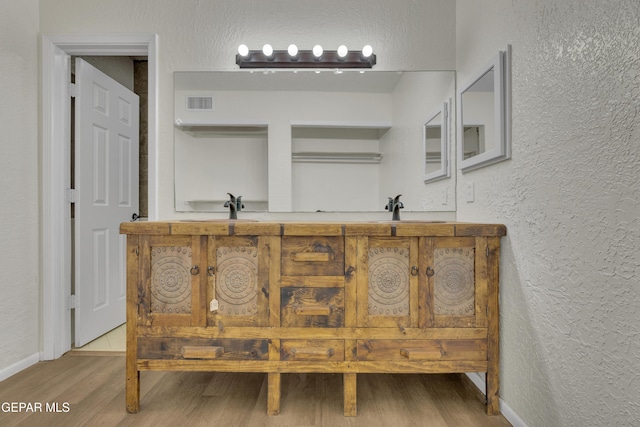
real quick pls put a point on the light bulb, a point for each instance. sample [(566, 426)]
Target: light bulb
[(293, 50), (317, 51), (367, 51), (342, 51), (267, 50), (243, 50)]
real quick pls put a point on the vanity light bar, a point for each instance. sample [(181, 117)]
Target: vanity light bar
[(294, 58)]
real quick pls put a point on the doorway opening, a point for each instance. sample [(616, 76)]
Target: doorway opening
[(55, 272)]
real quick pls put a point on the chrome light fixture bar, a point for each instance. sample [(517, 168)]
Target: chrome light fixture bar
[(315, 58)]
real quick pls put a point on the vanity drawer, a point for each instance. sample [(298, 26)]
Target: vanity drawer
[(312, 256), (415, 350), (312, 307), (203, 348), (312, 350)]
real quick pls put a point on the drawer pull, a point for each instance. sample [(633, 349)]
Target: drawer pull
[(202, 352), (313, 310), (311, 256), (420, 354), (311, 353)]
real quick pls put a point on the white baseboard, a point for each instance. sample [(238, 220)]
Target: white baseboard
[(507, 412), (19, 366)]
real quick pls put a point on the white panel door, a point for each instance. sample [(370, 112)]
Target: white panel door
[(106, 182)]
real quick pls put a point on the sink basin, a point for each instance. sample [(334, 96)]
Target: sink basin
[(419, 221), (217, 220)]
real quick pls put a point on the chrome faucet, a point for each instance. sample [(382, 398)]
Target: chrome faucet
[(394, 206), (234, 204)]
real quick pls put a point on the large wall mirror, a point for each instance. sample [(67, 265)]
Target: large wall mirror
[(308, 141), (484, 115)]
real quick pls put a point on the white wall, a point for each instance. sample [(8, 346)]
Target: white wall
[(19, 189), (570, 303)]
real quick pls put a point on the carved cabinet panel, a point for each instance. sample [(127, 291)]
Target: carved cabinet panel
[(237, 281), (454, 289), (388, 276), (171, 273)]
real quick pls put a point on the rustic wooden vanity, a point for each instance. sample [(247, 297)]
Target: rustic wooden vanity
[(348, 298)]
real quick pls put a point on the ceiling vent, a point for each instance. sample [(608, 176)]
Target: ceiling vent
[(199, 103)]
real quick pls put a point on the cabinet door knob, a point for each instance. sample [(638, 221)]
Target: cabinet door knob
[(414, 270), (195, 270), (430, 271), (210, 270)]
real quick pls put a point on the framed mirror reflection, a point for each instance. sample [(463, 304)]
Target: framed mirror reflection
[(436, 139), (484, 119)]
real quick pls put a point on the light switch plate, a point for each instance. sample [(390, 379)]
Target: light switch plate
[(470, 193)]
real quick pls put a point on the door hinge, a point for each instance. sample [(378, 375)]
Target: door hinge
[(72, 302), (487, 251), (71, 89), (71, 195)]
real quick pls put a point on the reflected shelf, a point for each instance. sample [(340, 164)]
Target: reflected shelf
[(335, 157)]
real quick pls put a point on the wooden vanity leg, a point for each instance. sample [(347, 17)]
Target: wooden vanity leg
[(273, 393), (493, 399), (350, 395), (493, 344), (133, 388)]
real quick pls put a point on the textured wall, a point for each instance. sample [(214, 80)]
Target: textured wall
[(204, 35), (19, 181), (569, 196)]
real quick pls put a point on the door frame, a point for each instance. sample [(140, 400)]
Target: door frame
[(55, 242)]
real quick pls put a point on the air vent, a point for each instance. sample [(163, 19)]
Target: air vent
[(199, 103)]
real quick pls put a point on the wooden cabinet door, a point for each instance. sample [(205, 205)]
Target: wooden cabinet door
[(387, 282), (453, 276), (237, 281), (172, 272)]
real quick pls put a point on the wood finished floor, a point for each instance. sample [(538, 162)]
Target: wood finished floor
[(93, 386)]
